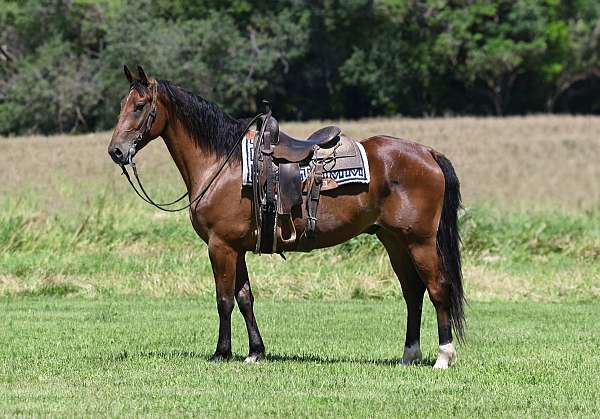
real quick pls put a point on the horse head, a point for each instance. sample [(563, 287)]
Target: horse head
[(141, 119)]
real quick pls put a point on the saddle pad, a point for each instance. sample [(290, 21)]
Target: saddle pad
[(345, 163)]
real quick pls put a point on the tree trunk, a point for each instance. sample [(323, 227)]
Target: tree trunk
[(565, 83)]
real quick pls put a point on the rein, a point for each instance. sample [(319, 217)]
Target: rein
[(146, 126)]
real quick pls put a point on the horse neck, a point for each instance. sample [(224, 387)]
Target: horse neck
[(195, 162)]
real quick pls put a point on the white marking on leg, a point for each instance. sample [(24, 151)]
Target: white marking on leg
[(446, 356), (253, 359), (412, 354)]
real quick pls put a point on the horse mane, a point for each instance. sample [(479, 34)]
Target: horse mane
[(206, 123)]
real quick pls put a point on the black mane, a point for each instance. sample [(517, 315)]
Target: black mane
[(207, 124)]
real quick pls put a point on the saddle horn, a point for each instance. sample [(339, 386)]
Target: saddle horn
[(267, 106)]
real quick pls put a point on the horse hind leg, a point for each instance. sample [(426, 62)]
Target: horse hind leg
[(428, 265), (413, 290)]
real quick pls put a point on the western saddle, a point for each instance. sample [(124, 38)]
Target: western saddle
[(277, 184)]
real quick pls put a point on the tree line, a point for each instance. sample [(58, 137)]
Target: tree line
[(61, 60)]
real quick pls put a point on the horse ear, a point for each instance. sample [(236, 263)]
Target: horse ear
[(128, 74), (143, 77)]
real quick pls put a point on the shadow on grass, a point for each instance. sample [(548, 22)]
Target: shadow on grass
[(318, 359), (174, 354), (270, 357), (51, 290)]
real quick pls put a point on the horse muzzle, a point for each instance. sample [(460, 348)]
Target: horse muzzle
[(122, 153)]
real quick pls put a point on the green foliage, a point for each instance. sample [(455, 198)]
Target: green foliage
[(61, 60), (488, 44), (526, 235), (393, 70), (53, 90), (215, 59), (577, 62)]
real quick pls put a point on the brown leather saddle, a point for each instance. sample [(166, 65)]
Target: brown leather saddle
[(292, 150), (277, 184)]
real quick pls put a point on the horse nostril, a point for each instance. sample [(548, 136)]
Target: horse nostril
[(117, 152)]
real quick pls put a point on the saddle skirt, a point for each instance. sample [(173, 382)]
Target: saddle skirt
[(345, 163)]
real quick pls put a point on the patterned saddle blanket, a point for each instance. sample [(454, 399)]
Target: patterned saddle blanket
[(344, 163)]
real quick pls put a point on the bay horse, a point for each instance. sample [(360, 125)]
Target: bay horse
[(411, 204)]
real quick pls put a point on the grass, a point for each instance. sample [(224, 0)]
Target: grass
[(516, 163), (107, 249), (69, 222), (140, 356)]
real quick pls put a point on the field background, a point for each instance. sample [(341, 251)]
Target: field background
[(70, 223), (102, 295)]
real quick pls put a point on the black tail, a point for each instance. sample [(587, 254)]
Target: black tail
[(448, 245)]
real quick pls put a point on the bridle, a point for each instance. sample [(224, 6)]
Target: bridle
[(141, 131)]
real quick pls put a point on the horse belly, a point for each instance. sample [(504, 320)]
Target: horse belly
[(342, 214)]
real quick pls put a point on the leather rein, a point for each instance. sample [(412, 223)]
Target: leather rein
[(144, 129)]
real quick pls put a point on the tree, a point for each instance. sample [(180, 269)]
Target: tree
[(61, 60), (487, 45), (579, 58), (209, 56), (393, 70)]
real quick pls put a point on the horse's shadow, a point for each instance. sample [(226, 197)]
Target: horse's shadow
[(269, 357), (319, 359)]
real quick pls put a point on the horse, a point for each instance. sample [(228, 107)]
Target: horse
[(411, 204)]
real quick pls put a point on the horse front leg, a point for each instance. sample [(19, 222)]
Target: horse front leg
[(223, 259), (245, 300)]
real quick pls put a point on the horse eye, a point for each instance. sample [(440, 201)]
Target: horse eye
[(139, 106)]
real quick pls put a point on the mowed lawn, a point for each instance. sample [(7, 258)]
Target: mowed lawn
[(147, 356)]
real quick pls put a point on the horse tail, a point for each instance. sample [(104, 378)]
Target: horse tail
[(448, 245)]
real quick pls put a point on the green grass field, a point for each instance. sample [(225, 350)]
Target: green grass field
[(107, 306), (145, 356), (108, 249)]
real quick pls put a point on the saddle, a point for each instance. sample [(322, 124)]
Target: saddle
[(277, 183), (292, 150)]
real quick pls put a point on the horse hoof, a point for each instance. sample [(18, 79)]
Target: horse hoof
[(253, 358), (446, 357), (412, 354), (217, 357)]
